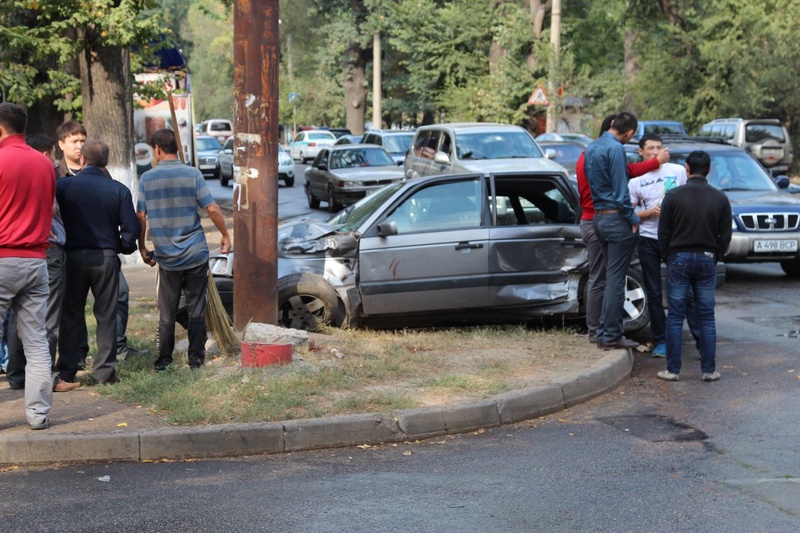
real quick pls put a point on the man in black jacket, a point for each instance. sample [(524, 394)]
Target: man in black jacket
[(694, 232), (100, 222)]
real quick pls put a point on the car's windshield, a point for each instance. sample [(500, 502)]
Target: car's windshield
[(496, 145), (397, 144), (734, 171), (360, 157), (206, 145), (354, 216)]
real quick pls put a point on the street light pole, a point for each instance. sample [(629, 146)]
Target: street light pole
[(256, 48), (555, 43)]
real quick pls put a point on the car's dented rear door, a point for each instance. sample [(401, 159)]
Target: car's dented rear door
[(536, 254), (437, 261)]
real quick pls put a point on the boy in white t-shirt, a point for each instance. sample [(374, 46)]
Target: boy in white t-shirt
[(646, 192)]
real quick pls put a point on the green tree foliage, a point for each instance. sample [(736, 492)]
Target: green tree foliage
[(209, 29), (38, 39)]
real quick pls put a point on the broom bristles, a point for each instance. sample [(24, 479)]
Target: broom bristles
[(218, 321)]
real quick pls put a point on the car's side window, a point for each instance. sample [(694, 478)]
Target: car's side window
[(321, 159), (420, 142), (431, 145), (532, 203), (440, 207), (446, 143), (228, 145)]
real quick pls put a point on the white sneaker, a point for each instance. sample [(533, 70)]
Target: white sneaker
[(669, 376), (711, 376)]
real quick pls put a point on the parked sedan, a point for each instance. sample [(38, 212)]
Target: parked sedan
[(207, 155), (446, 250), (344, 174), (285, 164), (308, 143)]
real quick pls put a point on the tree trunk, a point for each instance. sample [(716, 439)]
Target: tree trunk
[(496, 51), (538, 10), (355, 88), (108, 106)]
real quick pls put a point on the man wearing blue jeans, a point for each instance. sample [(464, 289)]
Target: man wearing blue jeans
[(647, 193), (615, 223), (694, 231)]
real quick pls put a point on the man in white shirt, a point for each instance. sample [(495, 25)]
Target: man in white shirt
[(646, 193)]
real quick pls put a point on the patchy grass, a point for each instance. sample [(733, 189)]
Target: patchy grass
[(344, 371)]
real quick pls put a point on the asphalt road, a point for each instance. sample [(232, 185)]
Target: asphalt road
[(649, 456)]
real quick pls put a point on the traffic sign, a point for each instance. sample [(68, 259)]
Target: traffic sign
[(538, 97)]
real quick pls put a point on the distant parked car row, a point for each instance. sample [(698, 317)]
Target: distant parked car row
[(286, 170)]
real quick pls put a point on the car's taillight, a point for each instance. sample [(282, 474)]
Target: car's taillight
[(312, 144)]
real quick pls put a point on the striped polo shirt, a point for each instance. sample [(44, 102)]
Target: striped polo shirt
[(170, 194)]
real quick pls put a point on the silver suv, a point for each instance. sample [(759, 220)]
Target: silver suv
[(475, 147), (767, 139)]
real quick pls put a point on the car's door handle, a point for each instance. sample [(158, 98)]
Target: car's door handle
[(468, 246)]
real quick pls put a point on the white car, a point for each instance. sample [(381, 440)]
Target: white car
[(285, 164), (307, 144)]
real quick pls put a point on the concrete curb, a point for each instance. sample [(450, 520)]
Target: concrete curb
[(228, 440)]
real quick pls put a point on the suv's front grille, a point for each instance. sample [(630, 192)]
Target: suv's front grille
[(770, 221)]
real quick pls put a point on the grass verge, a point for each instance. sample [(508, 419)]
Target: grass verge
[(344, 371)]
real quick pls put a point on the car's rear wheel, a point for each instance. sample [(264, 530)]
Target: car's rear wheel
[(306, 301), (636, 314), (313, 202), (333, 206), (791, 268), (303, 159)]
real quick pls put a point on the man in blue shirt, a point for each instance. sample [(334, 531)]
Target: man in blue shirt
[(615, 222), (169, 196), (101, 223)]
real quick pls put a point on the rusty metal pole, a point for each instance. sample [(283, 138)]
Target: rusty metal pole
[(255, 195)]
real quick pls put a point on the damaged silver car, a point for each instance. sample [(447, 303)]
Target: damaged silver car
[(443, 250)]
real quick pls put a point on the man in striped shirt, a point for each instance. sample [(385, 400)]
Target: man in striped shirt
[(169, 196)]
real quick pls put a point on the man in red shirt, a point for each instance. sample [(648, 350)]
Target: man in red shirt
[(27, 194), (596, 284)]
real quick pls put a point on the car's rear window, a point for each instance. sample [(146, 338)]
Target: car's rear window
[(664, 129), (220, 126), (397, 144), (321, 136), (754, 133)]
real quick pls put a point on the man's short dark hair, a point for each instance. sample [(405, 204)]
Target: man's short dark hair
[(95, 153), (70, 127), (650, 137), (13, 118), (165, 139), (699, 163), (40, 142), (607, 122), (625, 122)]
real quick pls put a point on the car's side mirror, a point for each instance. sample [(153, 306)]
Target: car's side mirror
[(387, 228), (322, 166), (782, 182), (441, 158), (550, 153), (227, 151)]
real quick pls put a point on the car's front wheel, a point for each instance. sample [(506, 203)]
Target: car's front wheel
[(333, 205), (289, 182), (306, 301), (313, 202), (223, 179)]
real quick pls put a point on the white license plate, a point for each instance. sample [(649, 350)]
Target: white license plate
[(208, 167), (788, 245)]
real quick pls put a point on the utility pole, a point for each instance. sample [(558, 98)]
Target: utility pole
[(256, 47), (376, 80), (555, 44)]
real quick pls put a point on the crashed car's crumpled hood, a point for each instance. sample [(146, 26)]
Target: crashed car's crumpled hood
[(312, 236)]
